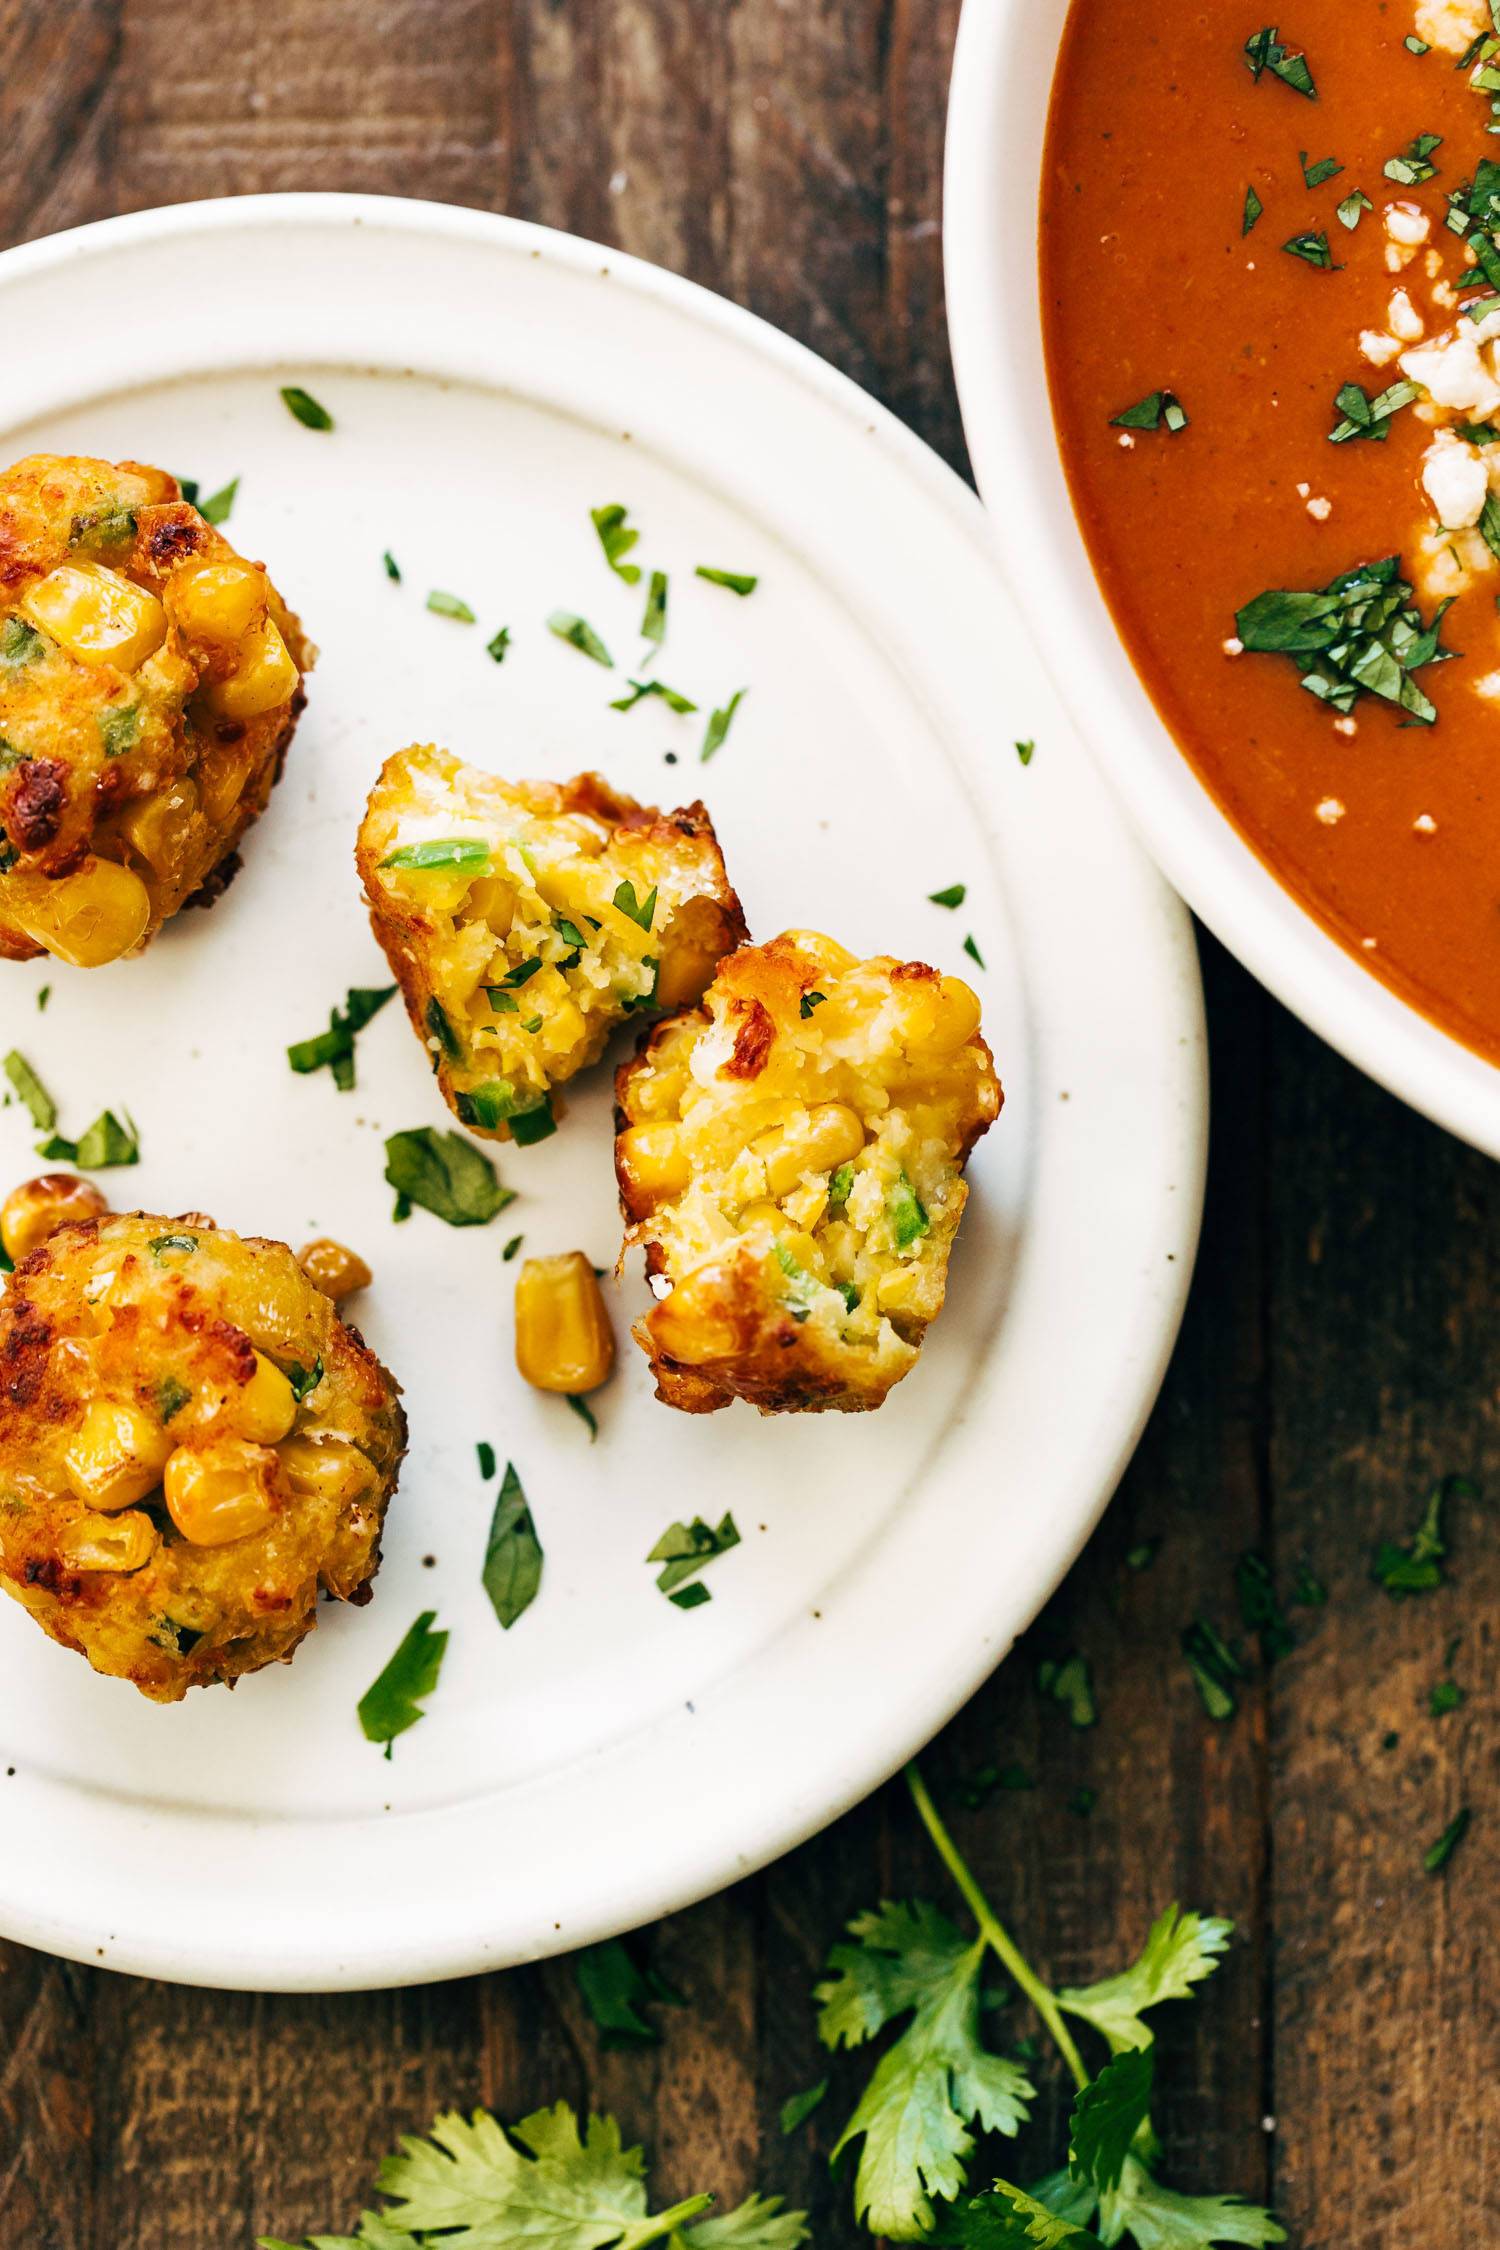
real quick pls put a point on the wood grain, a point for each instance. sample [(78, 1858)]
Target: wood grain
[(1339, 1352)]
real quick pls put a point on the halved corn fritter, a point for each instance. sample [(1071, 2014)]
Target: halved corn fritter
[(791, 1154), (193, 1448), (524, 920), (150, 681)]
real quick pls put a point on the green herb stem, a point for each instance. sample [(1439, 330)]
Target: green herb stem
[(993, 1930)]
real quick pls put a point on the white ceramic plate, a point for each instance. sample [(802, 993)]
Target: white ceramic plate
[(612, 1757), (997, 115)]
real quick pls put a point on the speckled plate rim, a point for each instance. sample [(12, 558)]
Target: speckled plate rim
[(1115, 1195)]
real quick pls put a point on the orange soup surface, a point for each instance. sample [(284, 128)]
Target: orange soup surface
[(1223, 254)]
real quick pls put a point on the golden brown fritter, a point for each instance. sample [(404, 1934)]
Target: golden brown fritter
[(791, 1154), (150, 681), (193, 1447), (524, 920)]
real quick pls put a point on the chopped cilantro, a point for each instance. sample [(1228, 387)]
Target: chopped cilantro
[(512, 1570), (1265, 52), (107, 1143), (171, 1397), (1438, 1853), (1415, 1565), (512, 1247), (1364, 417), (1446, 1696), (738, 582), (160, 1244), (450, 605), (333, 1049), (305, 408), (498, 643), (617, 537), (304, 1380), (1150, 412), (528, 1126), (1071, 1684), (1252, 211), (1353, 208), (1414, 45), (639, 911), (654, 616), (440, 851), (808, 1002), (685, 1548), (394, 1702), (441, 1031), (1312, 248), (585, 1413), (219, 506), (1025, 751), (392, 567), (579, 634), (1358, 635), (1315, 174), (486, 1453), (954, 895), (1214, 1666), (615, 1990), (798, 2108), (719, 724), (1412, 167), (20, 643), (973, 951), (639, 689), (447, 1175), (30, 1090), (119, 726), (522, 973)]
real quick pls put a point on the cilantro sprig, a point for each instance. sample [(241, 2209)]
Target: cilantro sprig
[(333, 1049)]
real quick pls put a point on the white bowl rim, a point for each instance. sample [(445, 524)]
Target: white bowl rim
[(1193, 842)]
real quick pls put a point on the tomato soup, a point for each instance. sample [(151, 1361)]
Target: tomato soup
[(1253, 237)]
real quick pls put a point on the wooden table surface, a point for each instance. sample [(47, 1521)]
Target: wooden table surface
[(1338, 1355)]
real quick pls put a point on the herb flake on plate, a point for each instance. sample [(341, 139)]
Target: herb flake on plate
[(579, 634), (617, 536), (512, 1571), (394, 1702), (683, 1550), (333, 1049), (737, 581), (446, 1175), (305, 408)]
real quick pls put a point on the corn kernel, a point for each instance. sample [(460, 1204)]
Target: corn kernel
[(108, 1543), (692, 1324), (97, 615), (158, 825), (686, 972), (222, 1492), (264, 677), (94, 915), (37, 1208), (221, 781), (654, 1161), (761, 1215), (262, 1410), (826, 951), (818, 1141), (563, 1338), (941, 1018), (117, 1457), (333, 1269), (899, 1289), (326, 1469), (217, 601)]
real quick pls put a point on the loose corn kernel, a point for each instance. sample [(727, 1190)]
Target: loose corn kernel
[(563, 1338), (692, 1323), (826, 951), (113, 1543), (685, 974), (333, 1269), (818, 1141), (221, 781), (97, 615), (264, 677), (94, 915), (940, 1018), (157, 826), (327, 1469), (217, 601), (37, 1208), (222, 1492), (117, 1457), (654, 1160), (262, 1410)]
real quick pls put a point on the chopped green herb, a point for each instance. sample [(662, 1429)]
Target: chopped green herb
[(171, 1396), (1071, 1684), (450, 605), (809, 1001), (160, 1244), (579, 634), (446, 1175), (1025, 751), (1308, 1590), (617, 538), (640, 689), (654, 616), (685, 1548), (1149, 413), (486, 1452), (119, 727), (615, 1989), (531, 1023), (1252, 211), (906, 1213), (1353, 208), (304, 1380), (529, 1126), (1358, 635), (305, 408), (1082, 1802), (497, 645), (219, 506), (640, 911), (522, 973), (1368, 417), (512, 1247), (30, 1090), (585, 1413), (1260, 1607), (737, 581), (333, 1049), (1412, 167), (394, 1702), (1214, 1665), (1489, 523), (569, 932), (1414, 45), (973, 951), (1265, 52), (690, 1597), (1315, 174), (1438, 1854), (954, 895), (1415, 1565), (1312, 248), (798, 2108), (43, 996), (1446, 1696), (441, 1031), (101, 529), (719, 724), (441, 851), (839, 1186), (20, 643), (512, 1571), (1143, 1554), (392, 567)]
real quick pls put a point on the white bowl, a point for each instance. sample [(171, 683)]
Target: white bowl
[(1002, 77)]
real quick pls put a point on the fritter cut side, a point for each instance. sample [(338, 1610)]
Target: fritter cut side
[(525, 920), (791, 1155)]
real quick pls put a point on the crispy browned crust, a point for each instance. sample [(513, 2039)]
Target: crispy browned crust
[(262, 1591)]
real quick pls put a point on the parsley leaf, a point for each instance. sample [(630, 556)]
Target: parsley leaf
[(107, 1143), (497, 645), (512, 1571), (1108, 2114), (1353, 208), (1358, 635), (1252, 211), (1412, 167), (617, 537), (305, 408), (1025, 751), (639, 911), (450, 605), (585, 1413), (720, 721), (738, 582), (1181, 1950), (640, 689), (616, 1989), (392, 567), (1265, 52), (1160, 2219), (219, 506), (579, 634), (954, 895), (447, 1175), (798, 2108), (333, 1049), (684, 1549), (1007, 2218), (654, 616), (1415, 1565), (1312, 248), (394, 1702), (30, 1090), (1314, 175), (913, 2117), (1149, 413)]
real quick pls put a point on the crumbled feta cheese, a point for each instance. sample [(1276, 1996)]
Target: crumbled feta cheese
[(1378, 349), (1303, 490), (1403, 319), (1320, 508), (1488, 685), (1424, 824), (1444, 295), (1346, 725), (1453, 25), (1331, 811), (1368, 943), (1455, 480), (1455, 369), (1397, 255), (1405, 222), (1127, 442), (1232, 647)]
